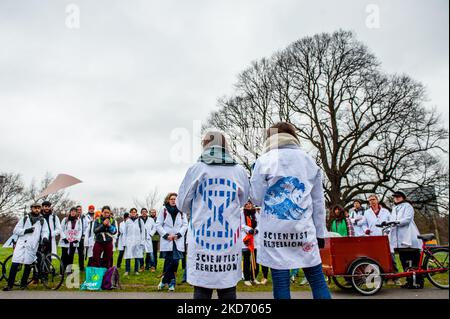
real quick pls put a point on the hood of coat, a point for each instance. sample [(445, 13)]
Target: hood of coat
[(217, 155), (280, 140)]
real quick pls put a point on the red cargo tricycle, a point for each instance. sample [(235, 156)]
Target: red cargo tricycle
[(364, 263)]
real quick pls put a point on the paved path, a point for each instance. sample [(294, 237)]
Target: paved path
[(394, 293)]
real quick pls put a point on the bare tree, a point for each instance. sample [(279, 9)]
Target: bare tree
[(151, 200), (369, 131), (12, 193)]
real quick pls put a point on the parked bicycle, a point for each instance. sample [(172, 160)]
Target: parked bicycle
[(47, 269)]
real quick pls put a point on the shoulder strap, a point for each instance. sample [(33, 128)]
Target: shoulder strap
[(140, 226), (25, 220)]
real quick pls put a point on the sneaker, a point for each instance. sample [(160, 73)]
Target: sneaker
[(7, 289), (172, 287), (304, 282), (161, 286), (292, 279), (125, 274), (152, 269), (137, 273), (256, 282), (248, 283), (264, 281), (397, 282)]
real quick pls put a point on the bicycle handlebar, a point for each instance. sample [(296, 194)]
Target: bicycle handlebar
[(387, 224)]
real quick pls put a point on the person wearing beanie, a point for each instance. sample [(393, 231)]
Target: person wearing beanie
[(71, 231), (89, 240), (212, 193)]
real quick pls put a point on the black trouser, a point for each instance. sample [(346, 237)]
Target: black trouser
[(248, 272), (155, 253), (67, 255), (148, 261), (170, 269), (206, 293), (13, 273), (80, 250), (410, 259), (120, 258)]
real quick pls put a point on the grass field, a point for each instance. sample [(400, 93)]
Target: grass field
[(147, 281)]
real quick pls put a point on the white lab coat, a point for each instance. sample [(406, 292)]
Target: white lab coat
[(28, 244), (150, 230), (214, 195), (55, 228), (287, 184), (168, 226), (89, 236), (120, 240), (133, 237), (69, 233), (357, 218), (405, 234), (371, 220)]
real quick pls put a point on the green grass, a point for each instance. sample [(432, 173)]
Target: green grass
[(147, 281)]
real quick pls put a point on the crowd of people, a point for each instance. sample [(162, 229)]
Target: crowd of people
[(223, 226)]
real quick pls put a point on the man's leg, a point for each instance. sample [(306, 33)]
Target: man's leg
[(12, 275), (120, 258), (107, 254), (127, 265), (246, 259), (316, 280), (227, 293), (81, 254), (202, 293), (281, 284), (25, 276)]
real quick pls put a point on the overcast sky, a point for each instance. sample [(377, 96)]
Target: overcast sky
[(100, 101)]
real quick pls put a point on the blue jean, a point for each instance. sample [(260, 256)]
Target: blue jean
[(128, 264), (314, 275)]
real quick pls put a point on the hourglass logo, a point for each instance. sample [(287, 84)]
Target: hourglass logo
[(217, 234)]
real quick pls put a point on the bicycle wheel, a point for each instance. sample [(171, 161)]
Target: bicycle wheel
[(366, 277), (7, 267), (52, 272), (2, 269), (344, 283), (437, 259)]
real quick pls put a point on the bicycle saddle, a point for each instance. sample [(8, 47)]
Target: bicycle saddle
[(426, 237)]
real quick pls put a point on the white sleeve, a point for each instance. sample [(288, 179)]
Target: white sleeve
[(184, 226), (160, 223), (245, 192), (258, 185), (187, 189), (318, 203), (152, 227), (57, 225), (408, 216), (19, 230), (63, 228)]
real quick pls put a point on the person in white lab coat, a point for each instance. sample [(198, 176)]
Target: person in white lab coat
[(213, 192), (403, 238), (30, 231), (54, 225), (287, 183), (171, 225), (133, 235), (150, 230), (374, 215), (89, 236), (121, 240), (357, 217), (71, 232)]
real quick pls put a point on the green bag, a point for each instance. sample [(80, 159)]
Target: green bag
[(94, 278)]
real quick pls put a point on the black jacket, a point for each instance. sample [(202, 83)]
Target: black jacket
[(102, 233)]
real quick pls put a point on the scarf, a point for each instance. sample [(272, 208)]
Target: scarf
[(280, 140), (216, 155), (340, 227), (173, 211)]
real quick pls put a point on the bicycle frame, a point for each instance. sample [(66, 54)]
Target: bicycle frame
[(426, 250)]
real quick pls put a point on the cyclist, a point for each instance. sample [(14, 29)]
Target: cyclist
[(403, 238), (31, 229)]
